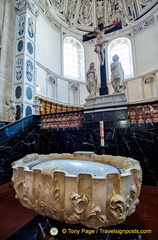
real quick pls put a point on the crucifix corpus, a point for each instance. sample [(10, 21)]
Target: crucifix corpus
[(100, 50)]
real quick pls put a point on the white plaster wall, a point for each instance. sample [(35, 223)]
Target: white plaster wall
[(51, 90), (83, 93), (41, 81), (48, 46), (146, 50), (7, 18), (135, 90), (91, 56), (62, 94)]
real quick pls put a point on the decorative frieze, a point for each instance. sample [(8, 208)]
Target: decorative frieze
[(85, 16), (26, 4), (81, 14), (143, 25)]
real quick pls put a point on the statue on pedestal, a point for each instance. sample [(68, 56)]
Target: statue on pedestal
[(117, 75), (11, 111), (91, 80)]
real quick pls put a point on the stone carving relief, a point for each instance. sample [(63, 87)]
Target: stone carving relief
[(26, 4), (131, 7), (53, 193), (11, 111), (45, 196), (133, 201), (29, 70), (71, 8), (85, 12), (117, 207), (144, 24), (84, 209), (100, 9), (114, 10), (30, 27), (19, 68), (59, 4), (20, 4), (21, 25)]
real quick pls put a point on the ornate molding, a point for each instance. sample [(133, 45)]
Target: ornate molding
[(26, 4), (143, 25), (80, 15), (44, 8), (83, 208)]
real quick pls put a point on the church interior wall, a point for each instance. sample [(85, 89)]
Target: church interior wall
[(63, 91), (145, 59), (6, 54), (125, 141), (48, 46), (41, 80), (83, 93), (131, 89), (91, 56), (146, 49)]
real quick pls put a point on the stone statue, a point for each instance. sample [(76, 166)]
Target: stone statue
[(91, 80), (117, 75), (11, 111)]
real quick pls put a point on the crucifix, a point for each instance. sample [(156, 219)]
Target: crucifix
[(100, 50)]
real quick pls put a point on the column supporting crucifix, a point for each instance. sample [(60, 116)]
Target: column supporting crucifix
[(100, 50), (103, 78)]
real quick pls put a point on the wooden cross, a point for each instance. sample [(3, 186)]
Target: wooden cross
[(100, 50)]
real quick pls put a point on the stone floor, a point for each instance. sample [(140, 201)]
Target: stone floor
[(13, 215), (19, 223)]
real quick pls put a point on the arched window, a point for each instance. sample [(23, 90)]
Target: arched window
[(73, 59), (121, 47)]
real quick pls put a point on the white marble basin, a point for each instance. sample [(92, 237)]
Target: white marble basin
[(94, 190), (78, 166)]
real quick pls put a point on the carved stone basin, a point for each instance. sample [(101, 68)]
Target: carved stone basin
[(83, 187)]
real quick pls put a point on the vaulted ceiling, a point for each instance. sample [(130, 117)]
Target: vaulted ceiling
[(85, 15)]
